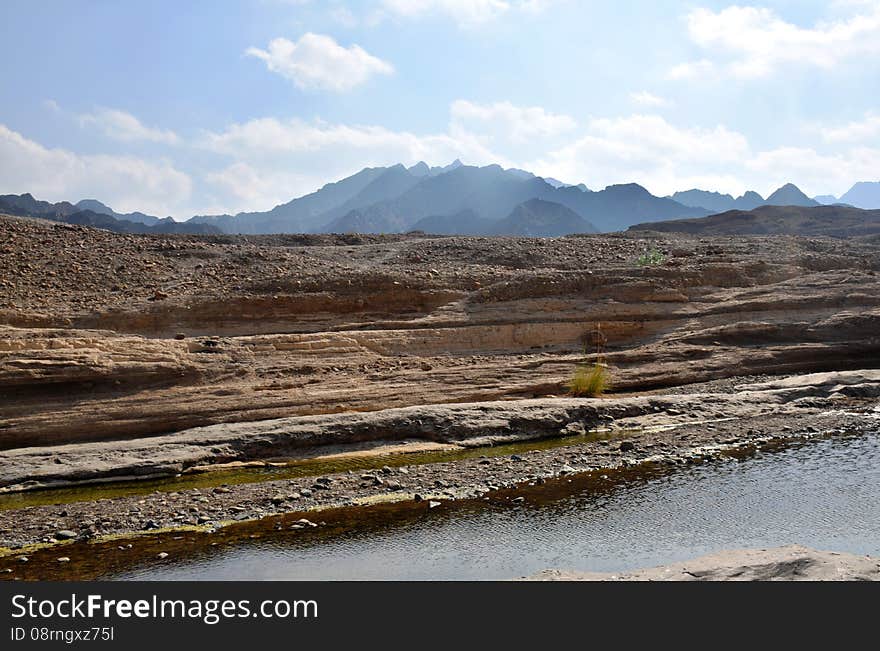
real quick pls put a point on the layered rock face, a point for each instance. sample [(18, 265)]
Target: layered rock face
[(107, 337)]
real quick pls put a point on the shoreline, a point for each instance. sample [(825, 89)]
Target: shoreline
[(788, 563), (236, 511)]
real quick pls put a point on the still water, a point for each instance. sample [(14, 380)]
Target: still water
[(823, 494)]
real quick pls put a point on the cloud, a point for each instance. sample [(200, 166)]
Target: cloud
[(649, 150), (857, 131), (261, 147), (663, 157), (752, 42), (126, 183), (648, 99), (504, 121), (318, 61), (125, 127), (467, 13)]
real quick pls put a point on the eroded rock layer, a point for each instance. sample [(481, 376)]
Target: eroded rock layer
[(107, 337)]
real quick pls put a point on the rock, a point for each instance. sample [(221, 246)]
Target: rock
[(433, 505), (518, 499), (162, 555), (65, 534), (180, 336), (305, 492), (63, 559), (278, 499), (221, 490), (627, 446), (791, 563), (573, 429), (22, 559), (305, 523)]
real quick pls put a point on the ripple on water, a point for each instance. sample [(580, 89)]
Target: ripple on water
[(823, 494)]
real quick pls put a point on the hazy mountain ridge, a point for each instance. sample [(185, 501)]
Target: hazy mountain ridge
[(102, 209), (864, 194), (455, 199), (26, 205), (540, 218)]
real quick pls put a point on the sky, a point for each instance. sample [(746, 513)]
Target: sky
[(207, 107)]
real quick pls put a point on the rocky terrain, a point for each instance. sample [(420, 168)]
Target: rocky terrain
[(128, 355), (791, 563), (808, 221)]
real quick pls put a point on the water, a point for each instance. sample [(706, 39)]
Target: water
[(824, 494)]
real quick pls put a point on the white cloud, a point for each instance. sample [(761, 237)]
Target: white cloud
[(751, 42), (503, 120), (318, 61), (262, 147), (857, 131), (649, 99), (815, 172), (125, 127), (649, 150), (467, 13), (124, 182)]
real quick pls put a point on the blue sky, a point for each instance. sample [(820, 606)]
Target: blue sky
[(206, 107)]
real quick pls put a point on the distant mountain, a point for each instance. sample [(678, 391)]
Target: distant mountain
[(826, 199), (301, 215), (619, 206), (790, 195), (392, 183), (489, 192), (787, 195), (102, 209), (466, 222), (832, 221), (26, 206), (717, 202), (166, 226), (539, 218), (865, 194)]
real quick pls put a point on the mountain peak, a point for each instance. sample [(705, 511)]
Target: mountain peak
[(864, 194), (790, 195), (420, 169)]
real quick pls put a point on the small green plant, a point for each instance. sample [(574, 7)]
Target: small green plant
[(651, 257), (589, 382)]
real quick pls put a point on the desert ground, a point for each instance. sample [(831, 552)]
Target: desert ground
[(129, 357)]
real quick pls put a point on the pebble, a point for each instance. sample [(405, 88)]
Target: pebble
[(65, 534), (63, 559), (162, 555)]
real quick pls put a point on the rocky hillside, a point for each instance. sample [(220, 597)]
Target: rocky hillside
[(832, 221), (110, 335)]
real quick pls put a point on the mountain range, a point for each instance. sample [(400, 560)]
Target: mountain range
[(24, 205), (456, 199), (453, 199), (864, 194)]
